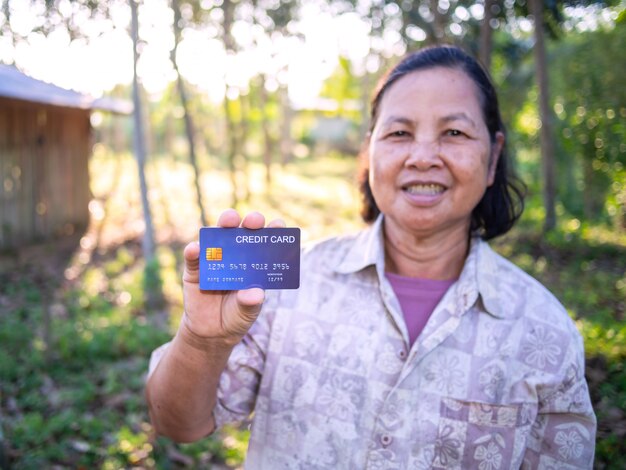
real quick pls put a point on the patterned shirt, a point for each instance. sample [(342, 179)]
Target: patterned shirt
[(494, 381)]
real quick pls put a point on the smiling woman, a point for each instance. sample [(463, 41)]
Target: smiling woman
[(410, 344)]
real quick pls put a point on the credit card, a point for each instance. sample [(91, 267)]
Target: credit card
[(240, 258)]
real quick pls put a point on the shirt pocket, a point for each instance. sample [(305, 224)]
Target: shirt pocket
[(482, 435)]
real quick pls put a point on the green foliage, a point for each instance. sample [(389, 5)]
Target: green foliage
[(343, 86), (590, 106), (78, 402)]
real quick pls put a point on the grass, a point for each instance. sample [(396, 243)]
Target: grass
[(76, 332)]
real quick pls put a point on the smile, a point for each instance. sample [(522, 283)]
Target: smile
[(431, 189)]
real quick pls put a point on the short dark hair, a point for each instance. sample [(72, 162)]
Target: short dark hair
[(503, 201)]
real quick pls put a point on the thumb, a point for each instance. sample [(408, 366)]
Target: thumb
[(192, 262)]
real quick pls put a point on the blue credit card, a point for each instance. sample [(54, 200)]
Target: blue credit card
[(240, 258)]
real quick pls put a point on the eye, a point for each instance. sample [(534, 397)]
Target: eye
[(398, 134), (454, 133)]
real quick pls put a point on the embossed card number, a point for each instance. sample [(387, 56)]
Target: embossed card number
[(239, 258)]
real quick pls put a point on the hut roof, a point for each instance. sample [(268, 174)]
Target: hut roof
[(14, 84)]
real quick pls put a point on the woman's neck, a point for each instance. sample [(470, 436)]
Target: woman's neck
[(439, 256)]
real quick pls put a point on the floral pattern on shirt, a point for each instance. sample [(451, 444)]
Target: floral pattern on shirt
[(541, 347), (488, 456), (447, 373)]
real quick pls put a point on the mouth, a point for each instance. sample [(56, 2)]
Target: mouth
[(427, 189)]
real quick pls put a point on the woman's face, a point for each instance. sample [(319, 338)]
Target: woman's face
[(431, 158)]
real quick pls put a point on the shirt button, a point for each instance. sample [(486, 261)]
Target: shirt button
[(385, 440), (402, 354)]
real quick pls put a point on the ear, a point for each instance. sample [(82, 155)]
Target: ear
[(496, 151)]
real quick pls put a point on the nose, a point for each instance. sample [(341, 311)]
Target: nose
[(423, 155)]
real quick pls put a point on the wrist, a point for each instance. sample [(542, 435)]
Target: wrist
[(204, 343)]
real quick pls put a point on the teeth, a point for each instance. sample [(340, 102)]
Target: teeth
[(428, 189)]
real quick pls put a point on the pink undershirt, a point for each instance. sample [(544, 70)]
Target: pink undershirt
[(418, 298)]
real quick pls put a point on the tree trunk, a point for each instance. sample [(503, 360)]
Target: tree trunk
[(486, 35), (244, 130), (139, 143), (189, 127), (286, 142), (268, 148), (547, 142), (439, 23), (153, 290), (228, 9), (232, 150)]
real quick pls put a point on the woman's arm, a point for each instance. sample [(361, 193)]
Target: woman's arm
[(182, 389)]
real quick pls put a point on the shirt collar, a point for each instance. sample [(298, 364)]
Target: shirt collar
[(366, 250), (478, 279), (489, 277)]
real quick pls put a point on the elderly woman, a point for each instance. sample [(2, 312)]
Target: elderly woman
[(408, 345)]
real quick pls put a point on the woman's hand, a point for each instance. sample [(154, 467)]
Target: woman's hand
[(219, 315)]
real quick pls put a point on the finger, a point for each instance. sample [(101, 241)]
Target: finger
[(277, 223), (253, 220), (229, 218), (192, 262)]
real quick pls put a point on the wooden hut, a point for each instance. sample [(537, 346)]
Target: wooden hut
[(45, 144)]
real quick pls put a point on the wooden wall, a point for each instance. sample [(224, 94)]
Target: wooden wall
[(44, 178)]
